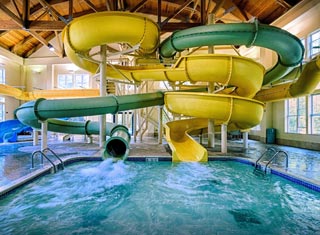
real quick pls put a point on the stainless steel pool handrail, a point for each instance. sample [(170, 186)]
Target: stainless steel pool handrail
[(274, 156), (54, 154), (267, 150), (42, 155)]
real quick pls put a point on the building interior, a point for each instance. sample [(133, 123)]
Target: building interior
[(33, 57), (158, 80)]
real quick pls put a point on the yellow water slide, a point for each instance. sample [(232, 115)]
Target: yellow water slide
[(242, 76)]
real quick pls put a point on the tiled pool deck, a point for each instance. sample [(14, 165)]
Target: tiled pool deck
[(15, 158)]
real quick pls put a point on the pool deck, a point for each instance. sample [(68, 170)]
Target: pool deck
[(15, 158)]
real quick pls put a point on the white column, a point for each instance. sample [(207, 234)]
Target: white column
[(44, 135), (35, 137), (245, 137), (102, 118), (223, 138), (211, 134), (211, 140), (160, 127)]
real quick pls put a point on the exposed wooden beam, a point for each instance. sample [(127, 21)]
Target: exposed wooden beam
[(171, 27), (45, 42), (17, 9), (242, 12), (26, 13), (203, 11), (91, 5), (34, 25), (70, 10), (159, 12), (9, 13), (184, 5), (217, 7), (138, 6), (53, 11)]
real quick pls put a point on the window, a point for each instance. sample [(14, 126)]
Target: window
[(82, 81), (315, 114), (70, 81), (2, 99), (2, 109), (296, 121), (2, 76), (314, 43)]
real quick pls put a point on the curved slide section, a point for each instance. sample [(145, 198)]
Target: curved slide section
[(223, 69), (307, 82), (182, 145), (31, 112), (136, 30), (289, 48), (237, 112)]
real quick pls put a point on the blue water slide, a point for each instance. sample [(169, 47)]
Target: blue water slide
[(10, 129)]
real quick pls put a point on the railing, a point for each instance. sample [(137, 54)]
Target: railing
[(264, 153), (43, 155), (276, 153), (274, 156), (54, 154)]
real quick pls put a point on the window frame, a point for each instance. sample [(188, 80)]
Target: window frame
[(73, 77), (2, 99), (312, 43), (300, 113)]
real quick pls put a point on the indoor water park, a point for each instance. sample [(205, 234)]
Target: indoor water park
[(160, 117)]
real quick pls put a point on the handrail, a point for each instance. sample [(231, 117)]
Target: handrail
[(267, 150), (274, 156), (42, 155), (54, 154)]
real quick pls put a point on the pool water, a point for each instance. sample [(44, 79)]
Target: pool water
[(160, 198)]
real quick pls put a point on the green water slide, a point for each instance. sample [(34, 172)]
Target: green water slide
[(32, 112), (288, 47)]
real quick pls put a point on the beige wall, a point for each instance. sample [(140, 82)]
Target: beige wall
[(300, 21)]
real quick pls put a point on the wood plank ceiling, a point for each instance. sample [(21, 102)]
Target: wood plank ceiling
[(28, 25)]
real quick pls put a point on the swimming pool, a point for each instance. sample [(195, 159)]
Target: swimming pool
[(219, 197)]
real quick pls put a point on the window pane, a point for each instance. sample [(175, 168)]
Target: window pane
[(315, 123), (292, 107), (315, 104), (82, 81), (314, 43), (292, 124), (302, 106), (302, 125), (315, 114), (2, 76)]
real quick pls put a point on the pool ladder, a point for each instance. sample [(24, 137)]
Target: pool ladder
[(276, 153), (44, 155)]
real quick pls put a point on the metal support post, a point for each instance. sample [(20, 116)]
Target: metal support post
[(44, 135), (245, 136), (160, 127), (211, 133), (224, 138), (102, 118), (35, 137)]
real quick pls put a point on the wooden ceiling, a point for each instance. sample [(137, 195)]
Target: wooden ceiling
[(28, 25)]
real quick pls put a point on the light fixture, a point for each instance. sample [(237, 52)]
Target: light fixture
[(51, 48)]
